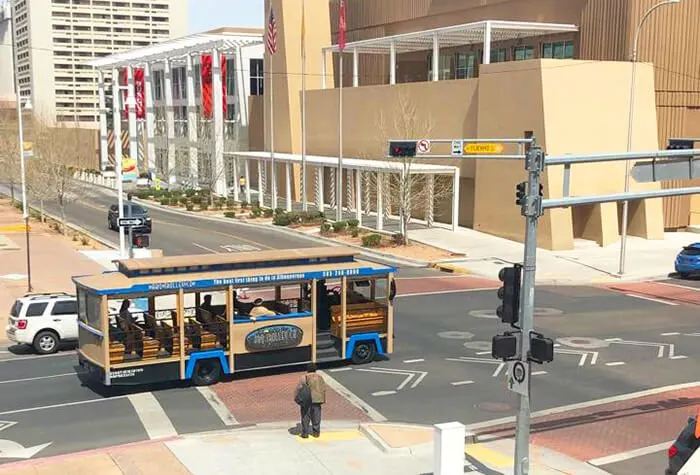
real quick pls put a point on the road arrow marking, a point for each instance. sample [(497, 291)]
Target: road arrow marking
[(661, 346), (692, 334), (420, 376), (584, 355), (6, 425), (12, 450)]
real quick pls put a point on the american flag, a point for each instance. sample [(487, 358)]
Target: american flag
[(271, 39)]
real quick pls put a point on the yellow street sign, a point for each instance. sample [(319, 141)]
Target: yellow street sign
[(157, 184), (480, 148)]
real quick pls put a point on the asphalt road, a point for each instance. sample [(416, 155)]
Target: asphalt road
[(442, 343)]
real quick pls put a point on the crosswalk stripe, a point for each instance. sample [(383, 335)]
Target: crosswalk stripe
[(154, 419), (217, 404)]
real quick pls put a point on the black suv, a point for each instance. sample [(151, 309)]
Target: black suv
[(137, 211), (683, 448)]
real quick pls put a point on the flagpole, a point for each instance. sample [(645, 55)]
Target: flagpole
[(272, 139), (339, 174), (303, 108)]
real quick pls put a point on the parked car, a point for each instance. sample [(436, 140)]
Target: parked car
[(688, 260), (683, 448), (137, 211), (43, 321)]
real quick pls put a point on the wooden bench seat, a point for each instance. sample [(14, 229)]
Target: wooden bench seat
[(116, 352), (361, 318)]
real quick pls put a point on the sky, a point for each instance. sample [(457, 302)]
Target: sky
[(210, 14)]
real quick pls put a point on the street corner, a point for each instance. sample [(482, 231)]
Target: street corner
[(664, 291), (270, 398), (392, 437), (614, 426)]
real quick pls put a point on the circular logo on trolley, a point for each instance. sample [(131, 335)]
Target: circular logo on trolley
[(423, 146), (274, 337), (519, 372)]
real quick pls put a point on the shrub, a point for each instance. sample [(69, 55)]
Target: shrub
[(256, 212), (189, 207), (184, 200), (371, 240), (281, 219), (231, 204), (17, 204), (244, 204), (164, 201), (353, 224), (203, 207), (279, 211), (311, 217), (75, 237), (229, 214), (354, 232), (325, 228), (84, 240), (190, 193), (196, 199), (218, 206), (339, 226), (398, 239), (143, 194), (267, 212)]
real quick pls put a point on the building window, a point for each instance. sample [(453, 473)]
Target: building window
[(231, 76), (558, 50), (158, 85), (445, 67), (257, 77), (465, 65), (521, 53), (498, 55)]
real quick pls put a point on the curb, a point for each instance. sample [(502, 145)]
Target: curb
[(291, 232), (450, 268), (379, 442)]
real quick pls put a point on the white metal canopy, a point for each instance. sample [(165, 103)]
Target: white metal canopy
[(352, 163), (456, 35), (177, 48)]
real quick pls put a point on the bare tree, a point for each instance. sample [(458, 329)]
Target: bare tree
[(9, 152), (402, 185), (60, 149), (39, 183)]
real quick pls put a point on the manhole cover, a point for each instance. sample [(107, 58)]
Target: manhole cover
[(494, 407)]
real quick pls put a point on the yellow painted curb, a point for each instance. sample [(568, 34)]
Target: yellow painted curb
[(13, 228), (334, 436), (488, 456), (451, 268)]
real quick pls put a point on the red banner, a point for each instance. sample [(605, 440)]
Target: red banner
[(139, 92), (207, 99)]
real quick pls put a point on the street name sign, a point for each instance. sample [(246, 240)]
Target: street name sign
[(679, 168), (457, 146), (478, 148), (130, 222)]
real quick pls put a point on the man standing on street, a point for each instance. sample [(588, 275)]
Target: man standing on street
[(310, 395)]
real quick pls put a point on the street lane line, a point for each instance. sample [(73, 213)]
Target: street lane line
[(36, 357), (670, 334), (615, 363), (440, 292), (417, 360), (622, 456), (650, 299), (65, 404), (462, 383), (352, 398), (481, 353), (37, 378), (539, 373), (338, 370), (217, 404), (205, 248), (383, 393), (154, 419), (498, 370), (587, 404)]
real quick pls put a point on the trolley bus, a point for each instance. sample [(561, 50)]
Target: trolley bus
[(201, 317)]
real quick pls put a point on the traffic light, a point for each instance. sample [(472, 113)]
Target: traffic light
[(509, 294), (541, 348), (402, 149), (680, 144), (504, 347), (520, 193), (541, 190)]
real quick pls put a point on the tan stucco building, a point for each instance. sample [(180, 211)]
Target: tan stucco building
[(571, 88)]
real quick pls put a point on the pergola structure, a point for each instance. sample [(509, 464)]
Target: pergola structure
[(486, 32), (200, 137), (368, 174)]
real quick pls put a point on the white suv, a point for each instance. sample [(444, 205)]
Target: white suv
[(44, 321)]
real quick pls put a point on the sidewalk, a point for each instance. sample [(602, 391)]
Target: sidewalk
[(588, 263), (343, 449), (54, 260)]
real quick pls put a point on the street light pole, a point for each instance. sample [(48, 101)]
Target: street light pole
[(20, 139), (628, 164)]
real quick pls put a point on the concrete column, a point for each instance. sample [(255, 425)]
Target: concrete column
[(192, 122), (430, 205), (449, 448), (380, 201), (455, 200), (247, 180), (324, 68), (261, 184), (355, 68), (117, 115), (218, 98), (234, 185), (133, 131), (150, 117), (358, 195), (169, 119), (319, 189), (241, 97), (104, 145), (487, 44), (392, 63), (288, 184), (436, 57)]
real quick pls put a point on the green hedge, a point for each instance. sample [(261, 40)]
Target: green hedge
[(371, 240)]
